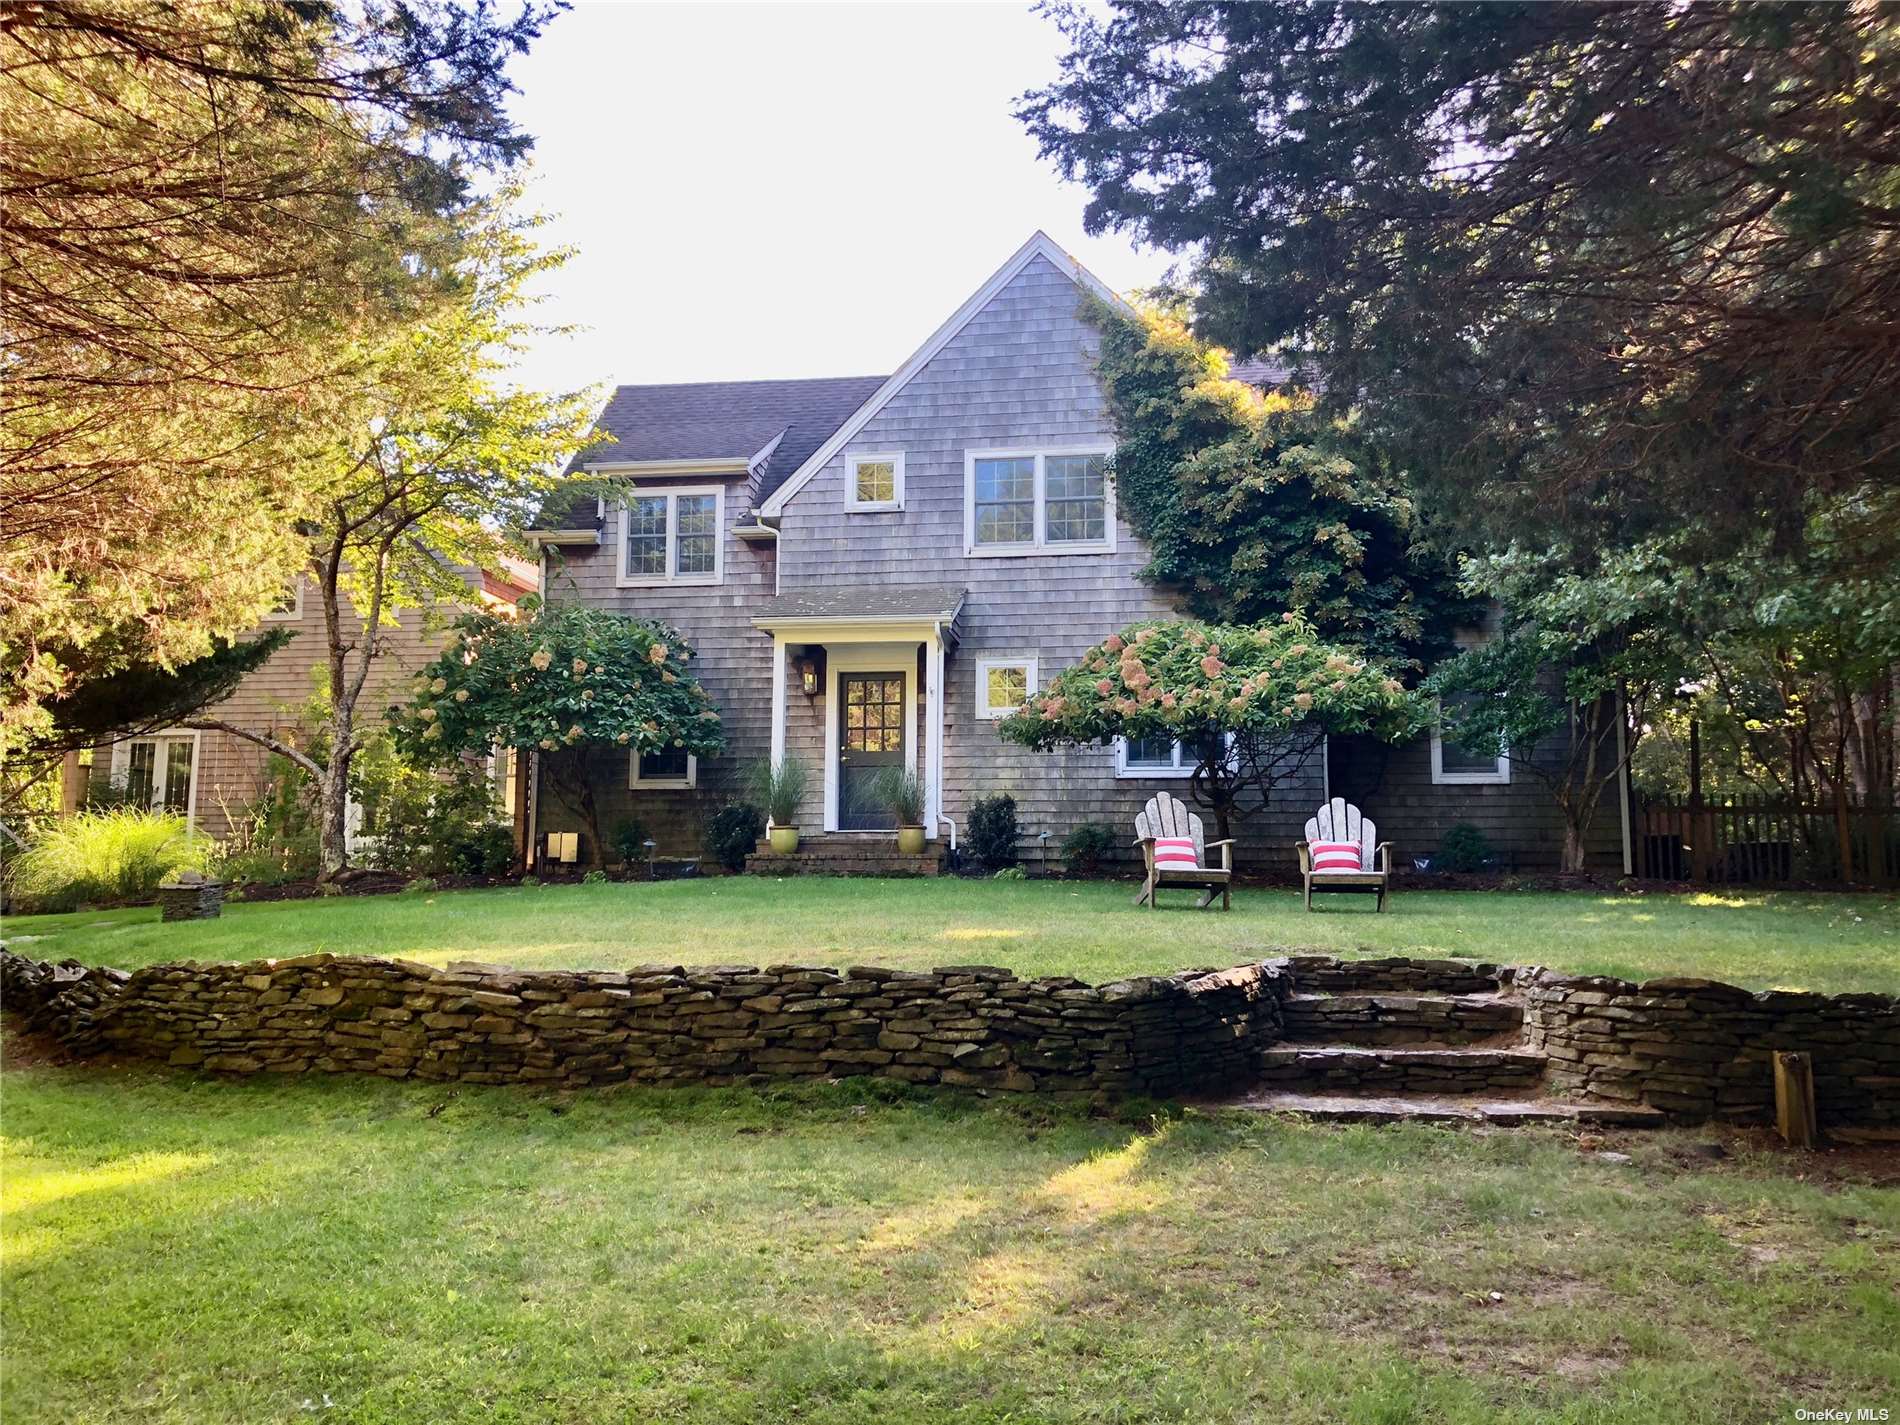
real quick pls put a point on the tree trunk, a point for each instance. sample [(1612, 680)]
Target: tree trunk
[(1573, 853), (333, 800)]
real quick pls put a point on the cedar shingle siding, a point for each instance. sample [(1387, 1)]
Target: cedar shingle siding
[(1019, 375)]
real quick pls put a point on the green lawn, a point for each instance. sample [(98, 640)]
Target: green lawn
[(1086, 929), (176, 1249)]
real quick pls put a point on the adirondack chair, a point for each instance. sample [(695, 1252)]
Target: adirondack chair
[(1339, 820), (1167, 816)]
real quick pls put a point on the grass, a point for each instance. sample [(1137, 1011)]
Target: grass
[(176, 1249), (1087, 929)]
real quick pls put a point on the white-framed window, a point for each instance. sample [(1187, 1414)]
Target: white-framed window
[(1003, 684), (668, 767), (1038, 501), (673, 536), (290, 606), (1153, 757), (158, 772), (874, 482), (1453, 765)]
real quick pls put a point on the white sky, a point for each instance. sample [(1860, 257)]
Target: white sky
[(784, 190)]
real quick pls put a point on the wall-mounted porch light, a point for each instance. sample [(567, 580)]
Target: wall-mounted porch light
[(808, 674)]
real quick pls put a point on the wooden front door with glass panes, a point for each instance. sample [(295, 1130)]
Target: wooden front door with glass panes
[(870, 738)]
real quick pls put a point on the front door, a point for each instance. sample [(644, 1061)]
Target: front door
[(870, 738)]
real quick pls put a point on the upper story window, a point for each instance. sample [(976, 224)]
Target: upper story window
[(1456, 765), (874, 482), (672, 536), (1038, 501), (1003, 684), (290, 606)]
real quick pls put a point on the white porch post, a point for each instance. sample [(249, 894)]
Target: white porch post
[(778, 699), (933, 720)]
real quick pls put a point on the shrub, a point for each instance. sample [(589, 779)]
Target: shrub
[(993, 831), (419, 821), (1085, 847), (778, 787), (595, 877), (530, 882), (421, 886), (732, 833), (898, 791), (628, 840), (1011, 873), (485, 850), (114, 857), (1464, 848), (273, 836)]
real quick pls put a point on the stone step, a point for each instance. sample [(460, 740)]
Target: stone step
[(1499, 1109), (1380, 1019), (1348, 1067), (1391, 974)]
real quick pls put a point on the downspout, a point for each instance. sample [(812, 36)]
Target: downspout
[(936, 733), (1626, 785)]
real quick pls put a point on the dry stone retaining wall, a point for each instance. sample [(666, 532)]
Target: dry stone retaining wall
[(972, 1025), (1698, 1049), (1693, 1048)]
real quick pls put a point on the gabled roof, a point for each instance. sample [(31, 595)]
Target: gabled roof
[(718, 423), (1041, 245)]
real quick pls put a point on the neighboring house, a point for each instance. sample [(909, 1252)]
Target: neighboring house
[(212, 777), (873, 570)]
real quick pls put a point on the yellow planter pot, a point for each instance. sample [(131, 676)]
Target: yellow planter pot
[(910, 840), (784, 840)]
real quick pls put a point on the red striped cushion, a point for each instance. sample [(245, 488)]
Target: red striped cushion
[(1175, 853), (1336, 856)]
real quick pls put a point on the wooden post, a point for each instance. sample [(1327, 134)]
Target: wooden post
[(1794, 1099)]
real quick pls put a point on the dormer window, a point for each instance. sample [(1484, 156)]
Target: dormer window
[(874, 482), (672, 536)]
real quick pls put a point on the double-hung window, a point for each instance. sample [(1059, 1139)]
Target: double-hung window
[(673, 536), (1038, 502)]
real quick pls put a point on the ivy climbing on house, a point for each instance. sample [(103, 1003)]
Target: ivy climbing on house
[(1254, 505)]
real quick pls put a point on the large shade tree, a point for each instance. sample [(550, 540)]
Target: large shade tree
[(210, 212), (560, 685), (1635, 259), (1255, 702), (434, 466)]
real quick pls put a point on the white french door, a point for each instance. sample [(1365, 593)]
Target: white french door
[(157, 772)]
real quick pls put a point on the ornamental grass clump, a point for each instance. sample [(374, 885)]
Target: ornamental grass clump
[(114, 857), (778, 787)]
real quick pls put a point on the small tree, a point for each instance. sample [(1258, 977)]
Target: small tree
[(1255, 702), (429, 470), (1566, 685), (560, 683)]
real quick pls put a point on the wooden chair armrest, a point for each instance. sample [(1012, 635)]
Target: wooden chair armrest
[(1212, 844), (1306, 858), (1382, 853)]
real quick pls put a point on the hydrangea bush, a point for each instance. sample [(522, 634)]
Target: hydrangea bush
[(1259, 699), (562, 682)]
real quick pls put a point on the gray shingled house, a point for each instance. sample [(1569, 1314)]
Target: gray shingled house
[(874, 569)]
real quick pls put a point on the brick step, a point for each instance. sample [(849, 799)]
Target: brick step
[(1335, 1068), (1381, 1019), (1392, 974), (1503, 1110), (845, 863)]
